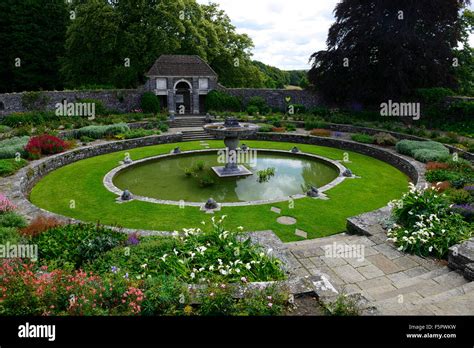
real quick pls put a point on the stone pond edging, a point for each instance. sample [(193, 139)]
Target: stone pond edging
[(109, 185)]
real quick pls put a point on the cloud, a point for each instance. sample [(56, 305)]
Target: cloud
[(285, 33)]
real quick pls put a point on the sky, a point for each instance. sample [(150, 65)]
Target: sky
[(285, 32)]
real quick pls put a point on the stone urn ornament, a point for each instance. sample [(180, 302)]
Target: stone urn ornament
[(295, 150), (347, 173), (313, 192), (211, 204), (126, 196), (244, 147)]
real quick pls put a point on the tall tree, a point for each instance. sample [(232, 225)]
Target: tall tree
[(465, 68), (379, 49), (32, 35), (91, 45)]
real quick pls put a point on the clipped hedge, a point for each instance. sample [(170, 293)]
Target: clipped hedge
[(99, 132), (150, 103), (10, 147), (423, 151)]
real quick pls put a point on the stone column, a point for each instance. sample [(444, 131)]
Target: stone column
[(195, 96), (171, 98)]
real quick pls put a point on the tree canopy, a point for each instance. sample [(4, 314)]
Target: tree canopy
[(381, 49), (32, 34)]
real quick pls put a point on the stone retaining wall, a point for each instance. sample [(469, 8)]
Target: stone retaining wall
[(277, 98), (122, 100)]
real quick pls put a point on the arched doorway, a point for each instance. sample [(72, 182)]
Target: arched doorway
[(183, 96)]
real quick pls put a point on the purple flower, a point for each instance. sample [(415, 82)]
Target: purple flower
[(469, 189), (114, 269), (133, 239), (126, 275)]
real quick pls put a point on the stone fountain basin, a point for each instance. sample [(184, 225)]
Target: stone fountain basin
[(220, 129)]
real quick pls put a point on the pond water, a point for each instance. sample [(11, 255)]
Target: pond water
[(166, 179)]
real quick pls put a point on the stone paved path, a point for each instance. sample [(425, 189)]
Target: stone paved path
[(394, 282)]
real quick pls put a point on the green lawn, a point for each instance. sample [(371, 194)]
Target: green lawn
[(82, 182)]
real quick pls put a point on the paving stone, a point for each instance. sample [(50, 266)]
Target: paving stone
[(388, 251), (286, 220), (384, 264), (333, 261), (356, 263), (452, 278), (306, 263), (416, 271), (405, 262), (300, 272), (377, 292), (316, 251), (374, 283), (370, 271), (275, 210), (351, 289), (348, 273), (397, 277), (301, 233), (317, 261)]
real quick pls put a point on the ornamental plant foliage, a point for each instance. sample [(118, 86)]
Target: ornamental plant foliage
[(425, 225)]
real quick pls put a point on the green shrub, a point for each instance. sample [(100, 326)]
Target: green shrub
[(424, 151), (425, 225), (252, 110), (163, 127), (363, 138), (220, 101), (290, 127), (10, 147), (321, 111), (425, 155), (265, 128), (194, 257), (385, 139), (433, 95), (73, 245), (162, 296), (139, 133), (310, 124), (29, 119), (442, 175), (11, 166), (9, 235), (12, 219), (260, 104), (459, 196), (150, 103), (344, 305), (4, 129), (99, 132)]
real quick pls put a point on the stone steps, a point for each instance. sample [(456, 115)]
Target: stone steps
[(196, 135), (422, 294), (188, 121)]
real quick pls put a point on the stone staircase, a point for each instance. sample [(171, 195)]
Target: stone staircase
[(188, 121), (392, 282), (191, 135), (438, 292)]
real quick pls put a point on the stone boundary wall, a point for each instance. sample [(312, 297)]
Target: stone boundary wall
[(277, 98), (122, 100)]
